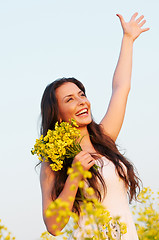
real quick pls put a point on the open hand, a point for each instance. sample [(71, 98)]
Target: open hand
[(133, 28)]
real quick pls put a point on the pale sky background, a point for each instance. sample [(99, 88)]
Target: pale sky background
[(41, 41)]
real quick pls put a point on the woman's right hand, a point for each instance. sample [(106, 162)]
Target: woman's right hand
[(133, 29), (86, 160)]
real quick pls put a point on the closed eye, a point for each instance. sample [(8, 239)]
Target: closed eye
[(69, 99)]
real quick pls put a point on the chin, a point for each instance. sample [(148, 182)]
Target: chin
[(84, 122)]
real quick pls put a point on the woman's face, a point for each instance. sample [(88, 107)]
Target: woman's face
[(72, 103)]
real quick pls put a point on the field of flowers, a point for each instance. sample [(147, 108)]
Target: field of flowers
[(146, 213), (4, 233)]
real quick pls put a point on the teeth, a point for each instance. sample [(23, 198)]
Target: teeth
[(83, 111)]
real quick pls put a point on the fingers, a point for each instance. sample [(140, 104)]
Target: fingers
[(82, 154), (90, 164), (86, 159), (140, 18), (138, 21), (120, 17), (145, 29), (142, 23), (133, 27), (134, 16)]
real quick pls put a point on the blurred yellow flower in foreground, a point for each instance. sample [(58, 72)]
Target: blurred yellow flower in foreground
[(99, 225), (4, 234), (147, 215)]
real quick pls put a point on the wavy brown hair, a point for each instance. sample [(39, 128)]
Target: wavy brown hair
[(102, 143)]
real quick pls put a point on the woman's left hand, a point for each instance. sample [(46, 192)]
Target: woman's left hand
[(133, 28)]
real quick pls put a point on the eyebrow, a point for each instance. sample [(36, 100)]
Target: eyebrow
[(70, 95)]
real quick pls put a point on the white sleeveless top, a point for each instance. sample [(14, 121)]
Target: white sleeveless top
[(115, 201)]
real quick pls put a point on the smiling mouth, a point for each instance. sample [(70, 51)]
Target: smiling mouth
[(82, 112)]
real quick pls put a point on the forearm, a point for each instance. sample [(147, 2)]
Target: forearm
[(123, 71), (65, 195)]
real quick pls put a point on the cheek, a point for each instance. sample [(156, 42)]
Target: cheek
[(88, 103), (66, 112)]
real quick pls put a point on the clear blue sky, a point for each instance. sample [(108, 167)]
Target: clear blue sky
[(44, 40)]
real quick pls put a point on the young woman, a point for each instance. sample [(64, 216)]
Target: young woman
[(64, 99)]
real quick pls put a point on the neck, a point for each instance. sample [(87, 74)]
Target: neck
[(85, 142)]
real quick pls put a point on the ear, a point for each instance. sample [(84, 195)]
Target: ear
[(59, 119)]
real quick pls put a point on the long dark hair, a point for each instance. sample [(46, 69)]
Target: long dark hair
[(102, 143)]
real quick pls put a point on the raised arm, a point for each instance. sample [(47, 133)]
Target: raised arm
[(113, 119)]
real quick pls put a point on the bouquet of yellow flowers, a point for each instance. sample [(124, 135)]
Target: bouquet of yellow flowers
[(59, 144)]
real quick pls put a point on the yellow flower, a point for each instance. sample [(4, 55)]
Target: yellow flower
[(71, 198), (58, 144), (81, 184), (7, 237), (90, 191), (69, 171), (58, 233), (54, 226), (4, 234), (73, 187), (147, 215)]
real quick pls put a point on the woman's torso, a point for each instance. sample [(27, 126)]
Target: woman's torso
[(115, 201)]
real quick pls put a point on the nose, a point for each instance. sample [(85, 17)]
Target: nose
[(81, 101)]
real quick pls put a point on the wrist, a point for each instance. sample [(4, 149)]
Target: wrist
[(75, 180), (128, 37)]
